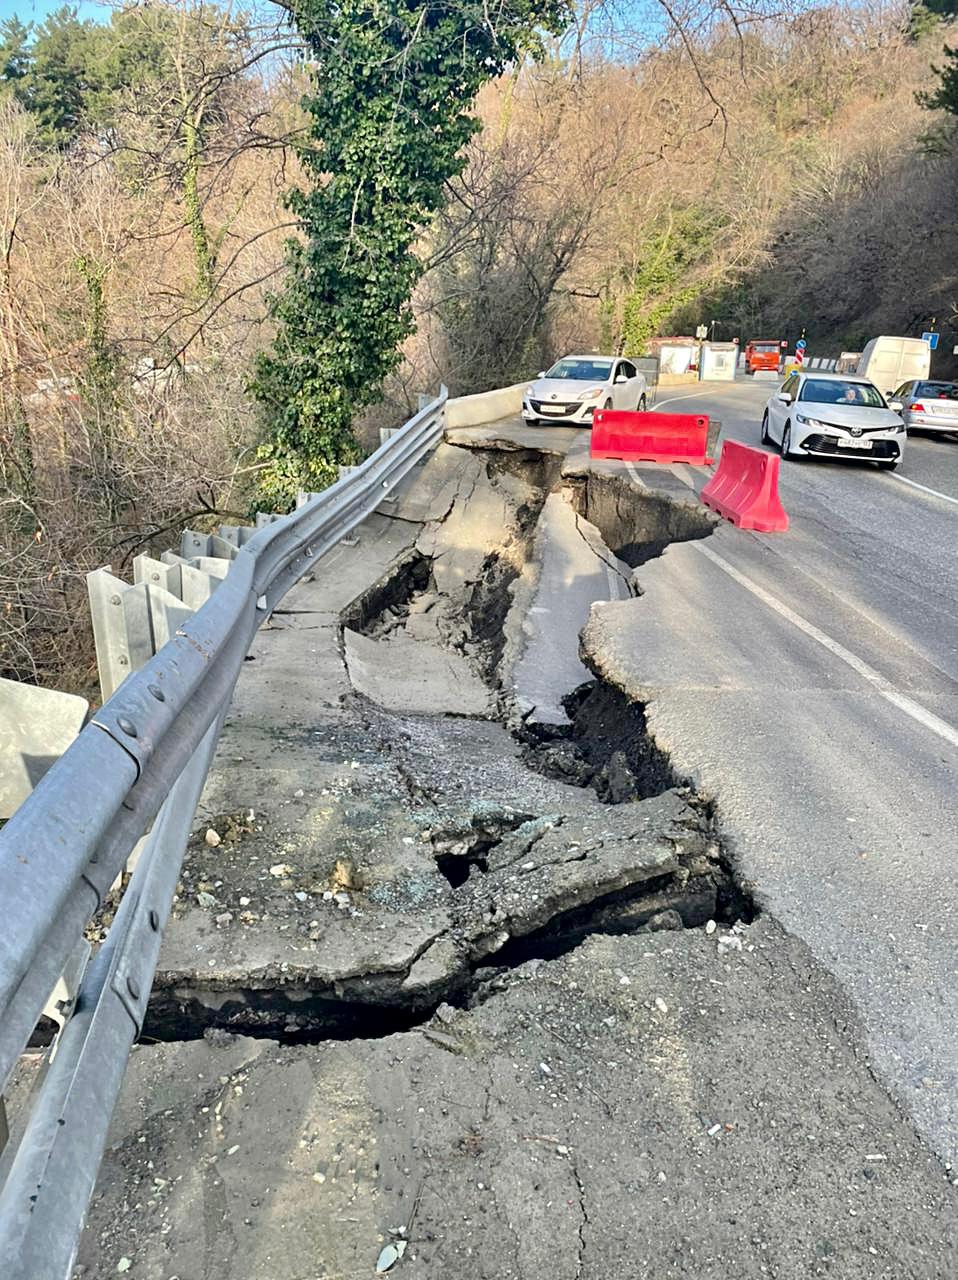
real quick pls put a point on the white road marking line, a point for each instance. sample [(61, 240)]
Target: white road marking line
[(924, 488), (614, 584), (681, 472), (696, 395), (901, 700)]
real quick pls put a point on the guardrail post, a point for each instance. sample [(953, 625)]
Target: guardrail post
[(157, 573), (205, 544), (237, 535), (36, 727), (122, 630)]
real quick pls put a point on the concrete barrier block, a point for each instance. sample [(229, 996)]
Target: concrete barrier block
[(486, 406), (36, 727)]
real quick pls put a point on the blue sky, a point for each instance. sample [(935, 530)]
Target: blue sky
[(36, 10)]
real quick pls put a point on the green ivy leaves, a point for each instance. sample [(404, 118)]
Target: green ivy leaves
[(394, 84)]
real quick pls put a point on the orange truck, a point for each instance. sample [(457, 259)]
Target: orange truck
[(762, 353)]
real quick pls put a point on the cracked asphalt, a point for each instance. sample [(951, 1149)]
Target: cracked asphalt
[(461, 1043)]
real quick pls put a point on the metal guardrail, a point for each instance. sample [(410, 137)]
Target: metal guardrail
[(138, 767)]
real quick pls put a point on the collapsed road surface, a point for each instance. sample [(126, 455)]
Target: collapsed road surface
[(460, 979)]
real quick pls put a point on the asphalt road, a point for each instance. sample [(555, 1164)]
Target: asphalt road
[(883, 546), (809, 682)]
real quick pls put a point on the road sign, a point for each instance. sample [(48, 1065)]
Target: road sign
[(932, 340), (801, 344), (702, 332)]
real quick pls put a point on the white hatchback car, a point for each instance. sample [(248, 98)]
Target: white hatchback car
[(575, 386), (831, 415)]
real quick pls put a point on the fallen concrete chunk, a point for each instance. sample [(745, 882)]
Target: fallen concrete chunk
[(402, 673)]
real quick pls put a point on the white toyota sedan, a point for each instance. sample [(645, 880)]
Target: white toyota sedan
[(575, 386), (831, 415)]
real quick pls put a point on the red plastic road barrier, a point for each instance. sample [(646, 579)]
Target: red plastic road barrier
[(650, 437), (744, 489)]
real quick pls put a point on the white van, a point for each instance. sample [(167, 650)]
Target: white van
[(889, 362)]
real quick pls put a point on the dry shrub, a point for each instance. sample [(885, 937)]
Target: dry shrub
[(123, 406)]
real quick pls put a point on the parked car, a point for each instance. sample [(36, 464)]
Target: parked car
[(575, 386), (888, 361), (762, 353), (929, 406), (831, 415)]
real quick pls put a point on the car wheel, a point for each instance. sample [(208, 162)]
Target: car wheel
[(642, 405), (786, 445), (766, 438), (887, 464)]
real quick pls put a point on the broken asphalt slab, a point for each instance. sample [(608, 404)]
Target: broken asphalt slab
[(569, 568), (321, 880), (663, 1106)]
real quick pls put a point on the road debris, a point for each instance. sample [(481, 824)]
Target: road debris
[(390, 1255)]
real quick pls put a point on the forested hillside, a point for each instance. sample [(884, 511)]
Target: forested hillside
[(646, 169)]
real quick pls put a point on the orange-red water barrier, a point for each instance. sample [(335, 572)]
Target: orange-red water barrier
[(744, 489), (650, 437)]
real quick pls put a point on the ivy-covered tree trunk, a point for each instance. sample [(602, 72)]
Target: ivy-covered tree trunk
[(202, 252), (394, 84), (100, 374)]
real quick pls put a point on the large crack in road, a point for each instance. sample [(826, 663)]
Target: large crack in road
[(449, 970), (511, 882)]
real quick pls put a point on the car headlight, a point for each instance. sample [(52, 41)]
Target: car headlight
[(530, 391), (810, 422), (593, 393)]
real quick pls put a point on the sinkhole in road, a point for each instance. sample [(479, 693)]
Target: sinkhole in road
[(592, 831), (606, 746)]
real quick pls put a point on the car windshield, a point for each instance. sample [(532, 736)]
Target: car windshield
[(834, 391), (943, 390), (764, 347), (581, 370)]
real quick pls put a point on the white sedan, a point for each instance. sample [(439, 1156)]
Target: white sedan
[(831, 415), (572, 390)]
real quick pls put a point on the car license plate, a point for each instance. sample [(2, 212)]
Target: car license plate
[(553, 408), (845, 443)]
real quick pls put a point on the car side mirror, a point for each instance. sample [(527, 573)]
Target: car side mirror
[(784, 397), (896, 406), (621, 378), (541, 373)]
